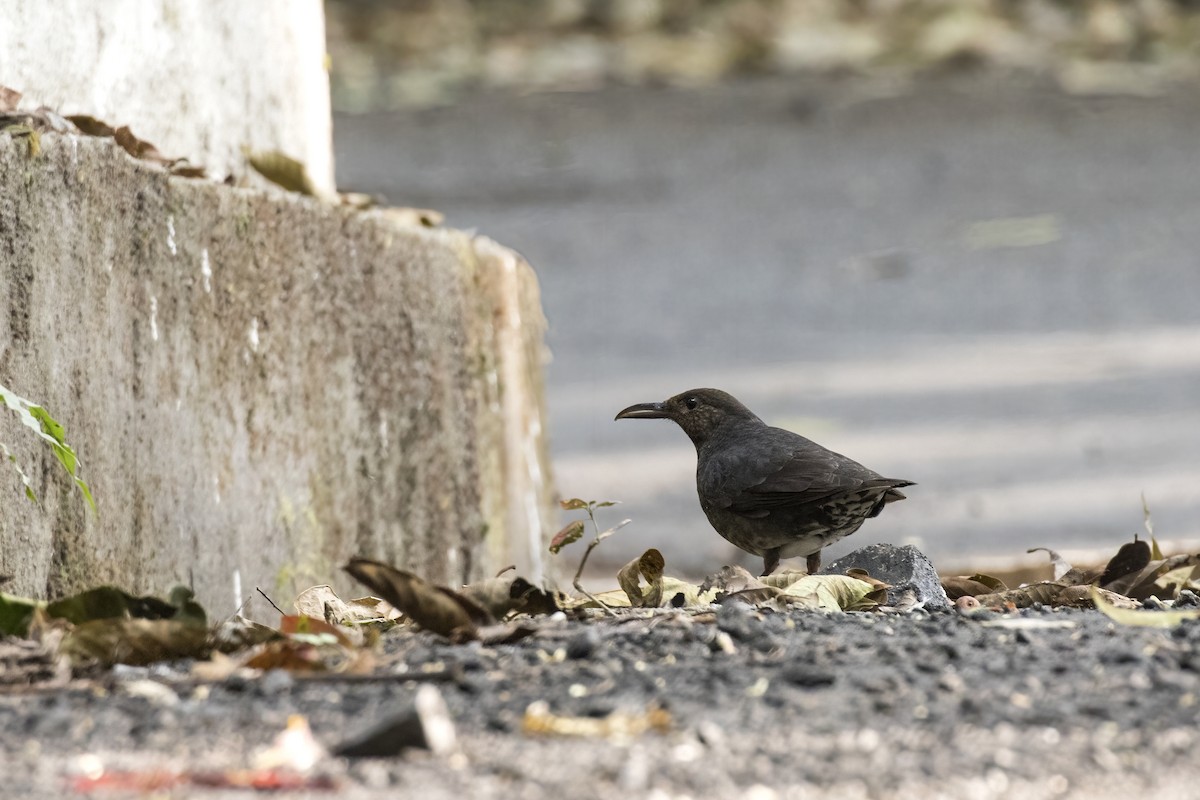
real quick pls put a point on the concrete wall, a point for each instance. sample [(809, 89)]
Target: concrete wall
[(198, 78), (258, 385)]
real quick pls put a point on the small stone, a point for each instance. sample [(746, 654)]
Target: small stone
[(808, 676), (276, 681), (583, 644), (904, 568), (1187, 599)]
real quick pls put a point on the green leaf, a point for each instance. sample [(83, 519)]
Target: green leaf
[(51, 431), (136, 641), (15, 614), (109, 602), (20, 473)]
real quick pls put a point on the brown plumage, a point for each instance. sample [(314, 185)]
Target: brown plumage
[(770, 492)]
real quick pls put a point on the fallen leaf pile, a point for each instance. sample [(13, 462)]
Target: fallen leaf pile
[(277, 167), (1135, 587), (33, 123), (48, 642)]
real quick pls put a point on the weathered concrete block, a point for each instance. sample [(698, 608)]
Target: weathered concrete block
[(259, 385), (199, 78)]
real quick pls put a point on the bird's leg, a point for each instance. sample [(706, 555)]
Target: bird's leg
[(770, 561), (814, 563)]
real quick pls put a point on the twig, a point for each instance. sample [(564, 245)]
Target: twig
[(579, 573), (282, 613)]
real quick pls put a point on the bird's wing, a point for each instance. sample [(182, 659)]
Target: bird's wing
[(785, 472)]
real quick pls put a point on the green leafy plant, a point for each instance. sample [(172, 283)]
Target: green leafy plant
[(575, 530), (38, 420)]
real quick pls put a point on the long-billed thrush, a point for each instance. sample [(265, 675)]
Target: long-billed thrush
[(768, 491)]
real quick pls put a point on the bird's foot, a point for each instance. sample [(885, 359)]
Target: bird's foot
[(770, 562), (814, 563)]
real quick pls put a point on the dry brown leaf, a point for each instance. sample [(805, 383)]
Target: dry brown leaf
[(502, 595), (649, 566), (1049, 593), (9, 98), (971, 586), (570, 533), (90, 125), (321, 602), (832, 593), (434, 608), (1059, 564), (1144, 583), (135, 641), (1173, 581), (1131, 558), (292, 655), (1139, 617), (139, 148), (539, 720), (311, 629), (282, 170), (783, 578), (754, 596), (731, 579)]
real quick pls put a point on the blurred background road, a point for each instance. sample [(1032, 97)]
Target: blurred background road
[(978, 282)]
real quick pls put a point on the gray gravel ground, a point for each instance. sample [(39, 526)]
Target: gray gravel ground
[(763, 704)]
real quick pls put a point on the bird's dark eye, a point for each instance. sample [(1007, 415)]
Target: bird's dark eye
[(691, 403)]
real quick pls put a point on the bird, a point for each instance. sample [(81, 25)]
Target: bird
[(769, 491)]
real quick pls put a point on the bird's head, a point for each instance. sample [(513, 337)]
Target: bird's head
[(698, 411)]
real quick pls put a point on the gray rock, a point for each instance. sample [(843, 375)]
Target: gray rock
[(905, 568)]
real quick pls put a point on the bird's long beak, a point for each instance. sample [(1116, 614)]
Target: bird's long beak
[(644, 411)]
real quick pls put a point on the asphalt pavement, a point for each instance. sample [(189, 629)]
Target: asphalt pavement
[(980, 284)]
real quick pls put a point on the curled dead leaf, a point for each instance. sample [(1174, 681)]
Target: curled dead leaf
[(502, 596), (434, 608), (971, 586), (1060, 565), (731, 580), (649, 566)]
